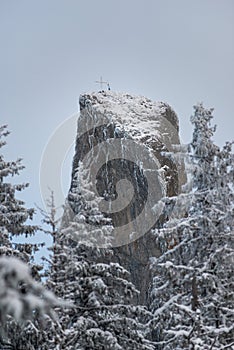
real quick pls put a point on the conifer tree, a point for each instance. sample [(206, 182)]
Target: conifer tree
[(22, 299), (26, 306), (192, 293), (14, 215), (103, 316)]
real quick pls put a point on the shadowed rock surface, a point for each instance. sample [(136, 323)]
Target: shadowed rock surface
[(107, 121)]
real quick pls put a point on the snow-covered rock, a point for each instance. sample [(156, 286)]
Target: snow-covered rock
[(127, 142)]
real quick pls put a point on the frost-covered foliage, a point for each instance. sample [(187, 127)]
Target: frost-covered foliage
[(83, 220), (192, 294), (103, 316), (22, 299), (13, 214), (20, 294), (24, 304)]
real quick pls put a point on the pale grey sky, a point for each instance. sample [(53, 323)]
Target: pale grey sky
[(178, 51)]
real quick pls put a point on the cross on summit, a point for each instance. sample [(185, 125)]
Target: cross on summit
[(101, 82)]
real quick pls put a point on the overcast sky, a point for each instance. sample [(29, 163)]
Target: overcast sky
[(177, 51)]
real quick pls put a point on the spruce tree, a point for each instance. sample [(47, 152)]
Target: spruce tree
[(23, 301), (192, 293), (14, 216), (103, 316), (25, 307)]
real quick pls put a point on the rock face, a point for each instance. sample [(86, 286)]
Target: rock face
[(127, 143)]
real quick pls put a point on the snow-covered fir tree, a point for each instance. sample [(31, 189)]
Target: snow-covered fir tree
[(192, 293), (22, 299), (14, 215), (82, 218), (104, 315), (25, 306)]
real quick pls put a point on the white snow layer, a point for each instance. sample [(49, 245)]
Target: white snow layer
[(142, 118)]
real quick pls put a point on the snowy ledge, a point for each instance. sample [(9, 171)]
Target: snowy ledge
[(142, 118)]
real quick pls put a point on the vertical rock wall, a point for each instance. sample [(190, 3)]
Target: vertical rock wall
[(127, 142)]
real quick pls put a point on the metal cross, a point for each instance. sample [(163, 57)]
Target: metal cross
[(101, 82)]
